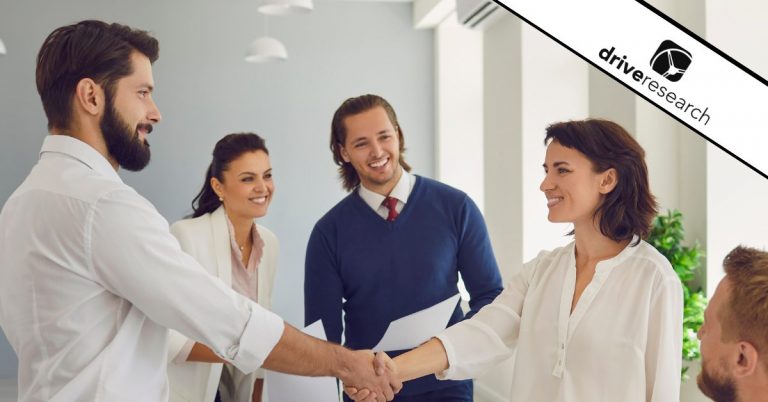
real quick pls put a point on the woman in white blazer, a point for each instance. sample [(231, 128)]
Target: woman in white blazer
[(224, 237)]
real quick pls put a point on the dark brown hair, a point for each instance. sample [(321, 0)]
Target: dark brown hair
[(353, 106), (745, 317), (87, 49), (629, 209), (229, 148)]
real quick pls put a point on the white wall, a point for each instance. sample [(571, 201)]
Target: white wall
[(459, 108), (502, 100), (555, 88), (737, 197)]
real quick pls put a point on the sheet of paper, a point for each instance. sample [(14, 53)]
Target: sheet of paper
[(291, 388), (415, 329)]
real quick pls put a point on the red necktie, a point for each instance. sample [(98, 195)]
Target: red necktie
[(391, 204)]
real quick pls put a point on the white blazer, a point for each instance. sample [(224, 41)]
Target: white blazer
[(206, 238)]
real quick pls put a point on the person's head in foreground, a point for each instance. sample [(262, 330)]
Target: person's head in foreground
[(734, 337), (95, 82), (596, 178)]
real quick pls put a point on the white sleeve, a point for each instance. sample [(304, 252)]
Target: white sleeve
[(133, 255), (664, 349), (477, 344), (179, 346)]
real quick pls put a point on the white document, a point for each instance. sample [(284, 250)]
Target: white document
[(292, 388), (417, 328)]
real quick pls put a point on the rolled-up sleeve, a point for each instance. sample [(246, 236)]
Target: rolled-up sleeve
[(133, 254)]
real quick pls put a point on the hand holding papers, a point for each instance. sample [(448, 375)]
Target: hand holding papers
[(357, 369), (428, 358), (414, 329), (288, 387), (409, 332), (404, 333)]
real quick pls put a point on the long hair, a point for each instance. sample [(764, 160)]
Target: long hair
[(629, 209), (88, 49), (229, 148), (350, 107)]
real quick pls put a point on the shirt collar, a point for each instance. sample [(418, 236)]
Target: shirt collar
[(255, 237), (606, 266), (401, 191), (74, 148)]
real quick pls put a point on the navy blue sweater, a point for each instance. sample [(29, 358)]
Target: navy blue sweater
[(378, 271)]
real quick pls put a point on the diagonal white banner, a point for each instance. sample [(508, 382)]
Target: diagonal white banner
[(664, 64)]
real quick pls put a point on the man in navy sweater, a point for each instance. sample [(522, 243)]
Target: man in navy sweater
[(394, 246)]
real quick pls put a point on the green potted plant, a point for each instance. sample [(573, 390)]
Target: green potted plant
[(667, 236)]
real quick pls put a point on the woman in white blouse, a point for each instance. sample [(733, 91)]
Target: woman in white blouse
[(225, 238), (597, 320)]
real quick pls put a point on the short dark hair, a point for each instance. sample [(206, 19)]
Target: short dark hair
[(229, 148), (629, 209), (88, 49), (350, 107), (746, 314)]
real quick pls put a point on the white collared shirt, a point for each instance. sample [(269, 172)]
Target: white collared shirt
[(622, 342), (401, 191), (90, 277)]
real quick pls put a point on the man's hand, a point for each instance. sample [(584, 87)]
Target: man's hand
[(383, 367)]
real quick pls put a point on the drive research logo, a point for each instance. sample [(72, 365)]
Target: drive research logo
[(671, 60)]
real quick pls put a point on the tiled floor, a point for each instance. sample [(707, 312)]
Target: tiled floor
[(8, 390)]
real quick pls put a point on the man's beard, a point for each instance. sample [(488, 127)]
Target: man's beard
[(123, 144), (719, 389)]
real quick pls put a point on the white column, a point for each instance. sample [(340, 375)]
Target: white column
[(555, 88), (503, 142), (503, 166), (459, 108)]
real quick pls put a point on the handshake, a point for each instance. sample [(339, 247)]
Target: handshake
[(371, 378), (378, 378)]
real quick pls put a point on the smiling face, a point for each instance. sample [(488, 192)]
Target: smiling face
[(129, 114), (247, 185), (572, 188), (372, 147)]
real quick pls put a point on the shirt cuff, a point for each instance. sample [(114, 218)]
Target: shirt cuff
[(183, 354), (450, 353), (261, 334)]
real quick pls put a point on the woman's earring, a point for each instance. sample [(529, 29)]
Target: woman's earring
[(221, 199)]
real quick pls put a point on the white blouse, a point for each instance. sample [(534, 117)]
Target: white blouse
[(245, 278), (623, 341)]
